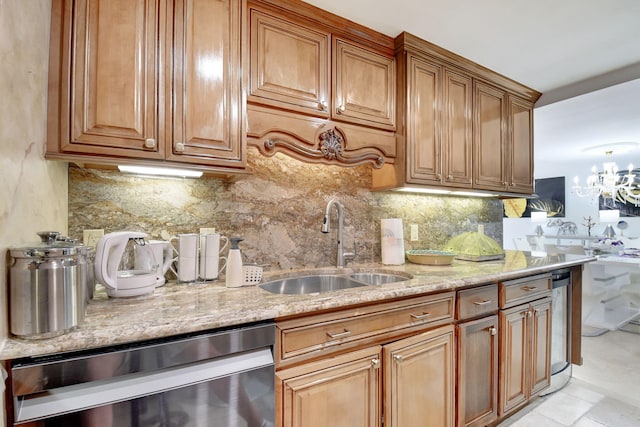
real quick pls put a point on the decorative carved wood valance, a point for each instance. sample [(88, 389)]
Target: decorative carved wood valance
[(329, 147)]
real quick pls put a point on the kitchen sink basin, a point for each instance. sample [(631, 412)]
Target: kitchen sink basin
[(319, 283), (310, 284), (378, 278)]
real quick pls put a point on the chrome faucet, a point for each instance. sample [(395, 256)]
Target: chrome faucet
[(326, 227)]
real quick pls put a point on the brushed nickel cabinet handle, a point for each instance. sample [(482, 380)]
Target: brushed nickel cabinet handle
[(529, 288), (323, 105), (375, 363), (341, 109), (420, 316), (150, 143), (179, 147), (483, 302), (493, 330), (398, 358), (339, 334)]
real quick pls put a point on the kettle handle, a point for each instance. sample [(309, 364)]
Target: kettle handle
[(167, 256), (109, 253)]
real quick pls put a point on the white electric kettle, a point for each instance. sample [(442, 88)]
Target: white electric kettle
[(114, 264)]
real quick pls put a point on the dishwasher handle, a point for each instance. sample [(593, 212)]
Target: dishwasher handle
[(83, 396)]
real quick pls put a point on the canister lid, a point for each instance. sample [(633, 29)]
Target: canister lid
[(49, 247)]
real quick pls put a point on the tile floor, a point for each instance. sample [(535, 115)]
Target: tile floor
[(604, 391)]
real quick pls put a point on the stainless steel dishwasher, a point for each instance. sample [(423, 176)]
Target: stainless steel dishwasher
[(222, 378)]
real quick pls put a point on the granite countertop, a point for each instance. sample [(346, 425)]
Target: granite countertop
[(175, 309)]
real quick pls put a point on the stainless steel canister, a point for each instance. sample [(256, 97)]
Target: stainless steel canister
[(47, 287)]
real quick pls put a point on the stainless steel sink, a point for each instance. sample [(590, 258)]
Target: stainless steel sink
[(319, 283), (310, 284), (378, 278)]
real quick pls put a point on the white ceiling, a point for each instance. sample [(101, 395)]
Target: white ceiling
[(563, 49)]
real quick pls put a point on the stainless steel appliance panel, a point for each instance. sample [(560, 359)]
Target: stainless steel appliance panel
[(216, 379)]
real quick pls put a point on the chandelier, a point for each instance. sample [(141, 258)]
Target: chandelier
[(610, 184)]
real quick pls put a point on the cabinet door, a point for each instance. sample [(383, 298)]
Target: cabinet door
[(521, 138), (457, 139), (289, 65), (420, 380), (364, 86), (540, 346), (490, 155), (114, 79), (207, 104), (513, 358), (478, 372), (424, 83), (341, 391)]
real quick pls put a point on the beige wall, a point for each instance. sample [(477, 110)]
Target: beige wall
[(34, 191)]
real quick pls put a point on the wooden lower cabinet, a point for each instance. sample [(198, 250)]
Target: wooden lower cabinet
[(525, 345), (477, 398), (419, 380), (340, 391), (416, 376)]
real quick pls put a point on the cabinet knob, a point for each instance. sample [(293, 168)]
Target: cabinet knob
[(150, 143), (493, 330), (375, 363), (341, 109), (398, 358), (179, 147), (438, 176), (449, 178), (323, 105)]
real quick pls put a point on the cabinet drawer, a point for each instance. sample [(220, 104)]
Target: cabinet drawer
[(318, 334), (477, 301), (523, 290)]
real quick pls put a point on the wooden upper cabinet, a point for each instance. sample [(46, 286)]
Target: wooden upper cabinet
[(490, 138), (133, 81), (298, 65), (111, 111), (423, 104), (503, 141), (207, 109), (364, 86), (321, 89), (457, 129), (289, 66), (521, 137), (439, 124)]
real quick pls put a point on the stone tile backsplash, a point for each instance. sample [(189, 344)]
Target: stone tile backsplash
[(278, 210)]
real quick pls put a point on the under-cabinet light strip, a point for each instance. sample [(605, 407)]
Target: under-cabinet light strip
[(150, 170)]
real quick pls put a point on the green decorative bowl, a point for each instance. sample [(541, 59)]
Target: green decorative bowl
[(430, 257)]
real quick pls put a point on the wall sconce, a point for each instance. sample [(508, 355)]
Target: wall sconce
[(539, 218), (609, 217)]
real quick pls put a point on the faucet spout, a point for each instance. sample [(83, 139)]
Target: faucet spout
[(326, 227)]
